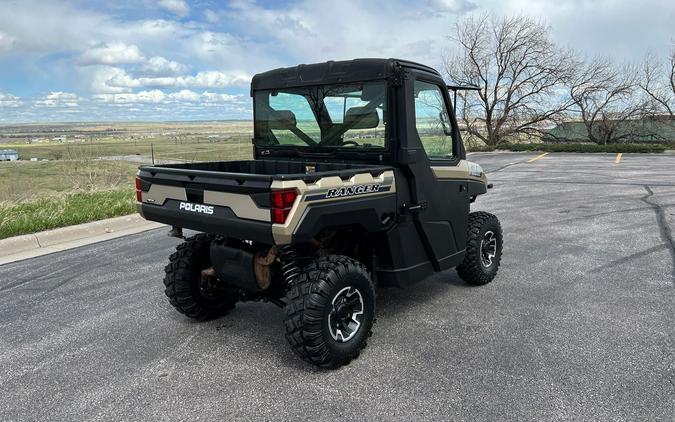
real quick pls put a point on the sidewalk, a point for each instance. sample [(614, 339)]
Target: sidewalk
[(36, 244)]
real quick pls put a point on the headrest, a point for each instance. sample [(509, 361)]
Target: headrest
[(360, 118), (281, 119)]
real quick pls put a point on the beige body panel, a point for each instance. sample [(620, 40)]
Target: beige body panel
[(158, 194), (459, 171), (282, 233), (242, 205)]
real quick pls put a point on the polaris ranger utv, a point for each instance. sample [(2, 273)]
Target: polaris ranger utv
[(359, 179)]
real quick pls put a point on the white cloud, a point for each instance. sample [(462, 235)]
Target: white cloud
[(100, 78), (157, 96), (451, 6), (160, 66), (154, 29), (212, 97), (154, 96), (213, 79), (116, 80), (208, 42), (58, 99), (311, 31), (9, 100), (177, 7), (50, 26), (210, 16), (185, 95), (114, 53), (6, 42)]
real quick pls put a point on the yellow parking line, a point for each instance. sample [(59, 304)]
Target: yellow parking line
[(618, 158), (538, 157)]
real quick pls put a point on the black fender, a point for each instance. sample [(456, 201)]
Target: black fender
[(372, 214)]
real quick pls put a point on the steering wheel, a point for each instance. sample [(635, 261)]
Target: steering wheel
[(350, 142)]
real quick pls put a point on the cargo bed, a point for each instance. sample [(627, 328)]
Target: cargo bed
[(265, 170), (232, 198)]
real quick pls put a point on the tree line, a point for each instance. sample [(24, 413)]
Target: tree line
[(529, 84)]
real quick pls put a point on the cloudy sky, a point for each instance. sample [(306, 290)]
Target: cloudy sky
[(192, 60)]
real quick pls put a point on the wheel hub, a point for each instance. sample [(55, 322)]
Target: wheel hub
[(345, 316), (488, 248)]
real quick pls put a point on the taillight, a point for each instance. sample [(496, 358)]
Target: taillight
[(139, 195), (282, 202)]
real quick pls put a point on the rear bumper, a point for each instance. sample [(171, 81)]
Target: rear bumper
[(223, 221)]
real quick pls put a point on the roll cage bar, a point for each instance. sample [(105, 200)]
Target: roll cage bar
[(455, 88)]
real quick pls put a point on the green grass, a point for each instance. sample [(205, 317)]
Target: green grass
[(65, 210)]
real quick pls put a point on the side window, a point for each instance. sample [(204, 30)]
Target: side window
[(432, 120)]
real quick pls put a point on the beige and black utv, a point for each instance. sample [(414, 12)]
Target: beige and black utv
[(359, 179)]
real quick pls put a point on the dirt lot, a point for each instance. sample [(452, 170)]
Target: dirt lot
[(578, 325)]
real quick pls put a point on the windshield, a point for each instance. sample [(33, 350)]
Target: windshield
[(326, 116)]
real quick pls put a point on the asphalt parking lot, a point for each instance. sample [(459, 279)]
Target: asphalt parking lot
[(579, 324)]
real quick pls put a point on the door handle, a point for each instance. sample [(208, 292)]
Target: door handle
[(420, 206)]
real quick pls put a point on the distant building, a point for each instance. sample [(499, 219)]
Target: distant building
[(8, 155)]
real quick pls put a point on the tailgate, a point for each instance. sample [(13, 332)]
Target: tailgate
[(231, 204)]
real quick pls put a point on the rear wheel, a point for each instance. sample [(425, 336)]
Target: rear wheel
[(194, 292), (330, 311), (483, 249)]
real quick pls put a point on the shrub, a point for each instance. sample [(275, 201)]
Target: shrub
[(581, 147)]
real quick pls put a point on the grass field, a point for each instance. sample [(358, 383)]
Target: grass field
[(27, 181), (85, 172), (88, 157), (64, 210), (176, 149)]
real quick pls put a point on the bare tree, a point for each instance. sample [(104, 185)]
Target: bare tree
[(519, 70), (604, 96), (658, 82)]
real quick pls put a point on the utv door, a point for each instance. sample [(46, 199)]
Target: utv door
[(439, 190)]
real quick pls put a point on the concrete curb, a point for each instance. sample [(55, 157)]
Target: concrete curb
[(49, 241), (18, 244)]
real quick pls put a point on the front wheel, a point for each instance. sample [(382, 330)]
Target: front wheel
[(330, 311), (483, 249)]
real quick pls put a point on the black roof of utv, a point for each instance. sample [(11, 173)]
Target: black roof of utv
[(333, 72)]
